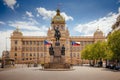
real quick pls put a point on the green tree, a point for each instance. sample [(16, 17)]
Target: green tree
[(86, 52), (96, 51), (114, 44)]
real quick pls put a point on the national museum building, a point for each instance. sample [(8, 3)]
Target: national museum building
[(32, 49)]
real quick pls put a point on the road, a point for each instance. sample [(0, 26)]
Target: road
[(80, 73)]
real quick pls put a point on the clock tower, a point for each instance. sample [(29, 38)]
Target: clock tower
[(58, 21)]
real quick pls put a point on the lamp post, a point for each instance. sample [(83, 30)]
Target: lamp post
[(3, 61), (44, 52)]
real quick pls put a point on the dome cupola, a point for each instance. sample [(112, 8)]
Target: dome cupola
[(58, 18), (98, 33), (17, 32)]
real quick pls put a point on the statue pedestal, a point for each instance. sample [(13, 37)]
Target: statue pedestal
[(51, 59), (57, 61), (57, 44)]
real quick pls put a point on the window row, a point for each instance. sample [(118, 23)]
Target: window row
[(28, 59), (75, 49), (75, 55), (32, 42), (16, 48), (31, 54), (34, 49), (29, 48)]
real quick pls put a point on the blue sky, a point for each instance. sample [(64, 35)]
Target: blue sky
[(33, 17)]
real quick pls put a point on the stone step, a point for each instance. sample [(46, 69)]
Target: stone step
[(56, 66)]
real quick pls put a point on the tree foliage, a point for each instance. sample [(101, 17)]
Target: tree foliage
[(96, 51), (114, 43)]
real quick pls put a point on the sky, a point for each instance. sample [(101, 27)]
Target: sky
[(33, 17)]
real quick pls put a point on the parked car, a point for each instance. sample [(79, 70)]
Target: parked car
[(117, 67)]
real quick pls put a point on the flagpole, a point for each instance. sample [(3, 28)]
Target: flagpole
[(44, 52), (71, 52)]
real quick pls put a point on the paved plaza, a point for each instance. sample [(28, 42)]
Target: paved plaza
[(80, 73)]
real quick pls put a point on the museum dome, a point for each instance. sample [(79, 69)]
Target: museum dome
[(98, 32), (58, 18), (17, 32)]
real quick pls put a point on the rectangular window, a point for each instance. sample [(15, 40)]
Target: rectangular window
[(37, 42), (15, 54), (41, 54), (78, 55), (26, 48), (15, 48), (23, 48), (74, 55), (26, 54), (37, 48), (22, 54), (30, 54), (33, 48), (23, 59), (30, 42), (37, 55), (23, 42), (26, 58), (30, 48), (15, 41), (34, 42), (26, 42)]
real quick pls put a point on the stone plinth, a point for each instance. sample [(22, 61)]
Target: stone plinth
[(57, 66), (57, 51), (57, 61)]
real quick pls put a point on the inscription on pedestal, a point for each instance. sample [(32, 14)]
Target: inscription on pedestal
[(57, 51)]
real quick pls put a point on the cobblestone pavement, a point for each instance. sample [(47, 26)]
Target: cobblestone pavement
[(80, 73)]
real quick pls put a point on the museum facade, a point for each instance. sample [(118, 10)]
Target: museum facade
[(32, 49)]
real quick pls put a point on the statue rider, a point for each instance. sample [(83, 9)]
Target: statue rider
[(57, 34)]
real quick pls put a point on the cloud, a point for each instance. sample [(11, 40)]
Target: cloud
[(119, 1), (4, 39), (66, 16), (37, 15), (104, 23), (48, 14), (2, 23), (11, 3), (29, 26), (29, 14)]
